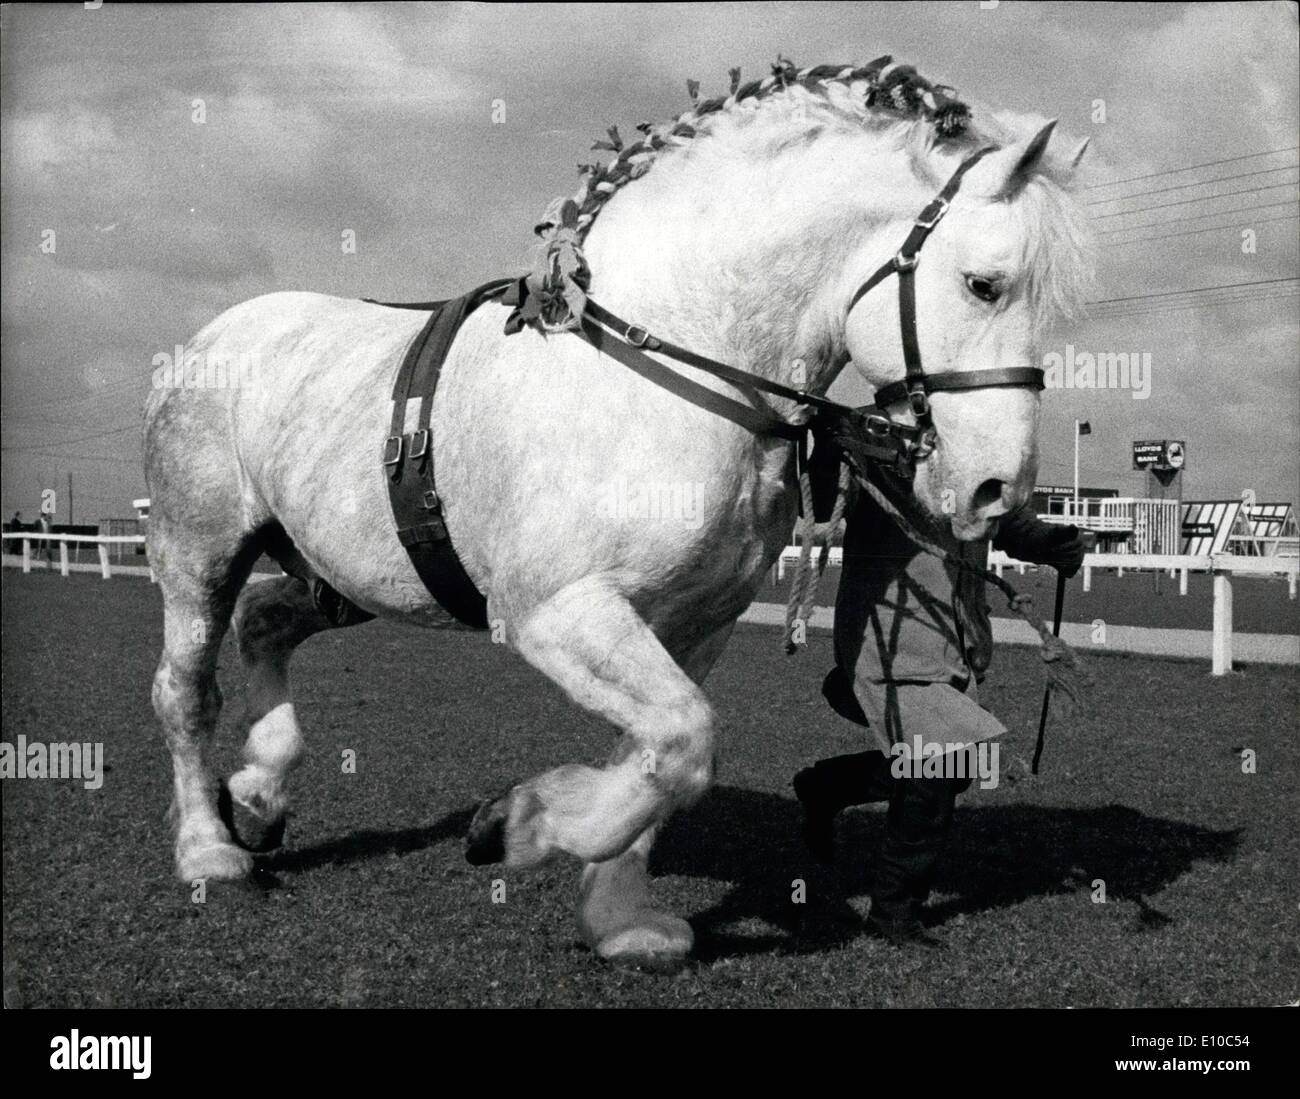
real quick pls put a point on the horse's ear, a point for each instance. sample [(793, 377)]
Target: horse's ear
[(1003, 172), (1034, 150), (1077, 155)]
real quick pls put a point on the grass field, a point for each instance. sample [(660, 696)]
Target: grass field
[(372, 904)]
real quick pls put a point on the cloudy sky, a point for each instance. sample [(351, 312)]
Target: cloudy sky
[(378, 118)]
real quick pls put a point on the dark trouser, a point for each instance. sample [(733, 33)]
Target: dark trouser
[(916, 826)]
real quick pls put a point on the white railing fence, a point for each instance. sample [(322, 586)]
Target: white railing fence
[(42, 541), (1222, 566)]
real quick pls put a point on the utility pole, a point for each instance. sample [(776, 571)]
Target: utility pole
[(1076, 470)]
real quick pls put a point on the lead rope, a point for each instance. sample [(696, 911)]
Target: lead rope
[(1064, 670), (803, 587)]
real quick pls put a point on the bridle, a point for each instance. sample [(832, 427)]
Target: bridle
[(891, 442), (916, 386)]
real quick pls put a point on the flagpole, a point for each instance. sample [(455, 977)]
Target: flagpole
[(1076, 471)]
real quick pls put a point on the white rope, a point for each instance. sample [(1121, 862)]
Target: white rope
[(803, 586)]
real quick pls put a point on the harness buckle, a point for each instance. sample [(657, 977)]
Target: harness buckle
[(922, 447), (932, 214), (636, 335), (903, 262), (919, 402), (432, 501), (879, 426), (392, 450), (419, 444)]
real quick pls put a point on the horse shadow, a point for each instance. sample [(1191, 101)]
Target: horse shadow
[(998, 856), (370, 843)]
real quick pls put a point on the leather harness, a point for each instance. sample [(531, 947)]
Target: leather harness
[(408, 458), (408, 455)]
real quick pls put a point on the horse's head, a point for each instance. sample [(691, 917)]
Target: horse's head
[(1005, 260)]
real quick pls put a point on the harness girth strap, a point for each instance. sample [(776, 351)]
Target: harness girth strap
[(408, 461)]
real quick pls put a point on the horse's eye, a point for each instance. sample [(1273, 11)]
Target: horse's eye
[(982, 288)]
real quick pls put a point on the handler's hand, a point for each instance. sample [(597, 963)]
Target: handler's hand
[(1065, 547)]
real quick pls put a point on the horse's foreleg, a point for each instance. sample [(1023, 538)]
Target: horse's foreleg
[(590, 641), (617, 916), (272, 618)]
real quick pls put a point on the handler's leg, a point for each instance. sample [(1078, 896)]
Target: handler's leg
[(916, 832), (832, 785), (921, 809)]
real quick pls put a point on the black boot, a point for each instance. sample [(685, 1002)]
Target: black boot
[(918, 823), (832, 785)]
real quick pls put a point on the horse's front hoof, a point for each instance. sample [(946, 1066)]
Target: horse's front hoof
[(485, 842), (662, 945), (213, 862), (250, 826)]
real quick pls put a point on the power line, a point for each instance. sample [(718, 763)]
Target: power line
[(1264, 294), (1226, 296), (86, 457), (1194, 217), (78, 439), (1193, 290), (1207, 229), (1194, 183), (1190, 167), (1160, 309), (1200, 198), (1164, 308), (106, 394)]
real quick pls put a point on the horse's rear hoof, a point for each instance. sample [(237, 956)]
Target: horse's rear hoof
[(248, 828), (485, 842)]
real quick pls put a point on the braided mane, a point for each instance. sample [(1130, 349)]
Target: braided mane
[(558, 285)]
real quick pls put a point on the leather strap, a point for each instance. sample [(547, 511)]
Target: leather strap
[(916, 385), (408, 460), (622, 341), (1031, 376)]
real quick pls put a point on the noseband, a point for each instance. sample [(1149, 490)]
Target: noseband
[(916, 386)]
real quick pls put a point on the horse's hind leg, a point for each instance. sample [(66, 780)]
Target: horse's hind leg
[(198, 590), (272, 618)]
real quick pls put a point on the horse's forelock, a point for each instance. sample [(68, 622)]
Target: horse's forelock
[(1057, 248)]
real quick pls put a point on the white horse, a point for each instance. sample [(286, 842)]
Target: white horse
[(744, 243)]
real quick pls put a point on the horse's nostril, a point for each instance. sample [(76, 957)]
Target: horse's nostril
[(990, 492)]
